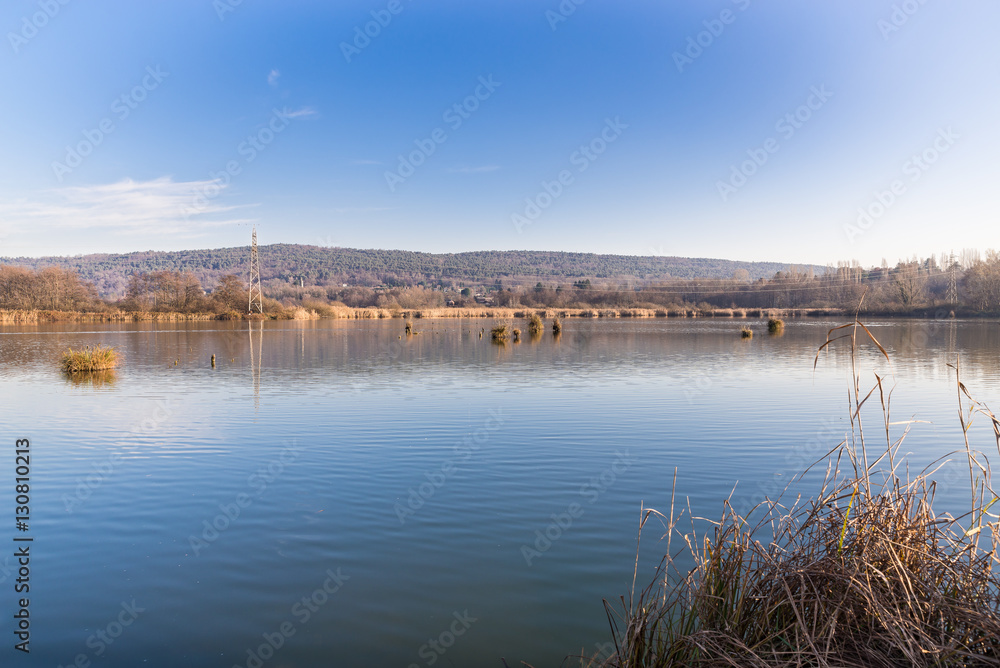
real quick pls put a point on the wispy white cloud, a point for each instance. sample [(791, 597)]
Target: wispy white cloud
[(363, 209), (272, 77), (474, 170), (304, 112), (157, 207)]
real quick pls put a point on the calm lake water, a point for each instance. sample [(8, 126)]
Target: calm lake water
[(350, 496)]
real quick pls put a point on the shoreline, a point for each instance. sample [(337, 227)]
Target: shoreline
[(336, 312)]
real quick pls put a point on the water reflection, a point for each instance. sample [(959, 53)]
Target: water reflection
[(256, 359), (101, 378), (168, 447)]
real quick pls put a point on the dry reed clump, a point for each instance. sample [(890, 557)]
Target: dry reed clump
[(746, 333), (500, 333), (864, 573), (98, 358), (535, 324), (776, 326), (557, 326)]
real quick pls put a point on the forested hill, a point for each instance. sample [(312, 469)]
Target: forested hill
[(334, 266)]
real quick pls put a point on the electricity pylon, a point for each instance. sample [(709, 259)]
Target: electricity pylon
[(952, 296), (256, 299)]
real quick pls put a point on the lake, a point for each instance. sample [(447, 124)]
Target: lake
[(334, 493)]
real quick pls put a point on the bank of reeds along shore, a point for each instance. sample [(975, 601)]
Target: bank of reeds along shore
[(315, 310), (35, 316), (865, 572)]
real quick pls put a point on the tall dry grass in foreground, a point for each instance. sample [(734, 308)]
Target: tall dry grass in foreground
[(98, 358), (864, 573)]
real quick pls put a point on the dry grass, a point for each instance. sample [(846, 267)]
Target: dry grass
[(535, 324), (776, 326), (311, 309), (98, 358), (557, 326), (864, 573), (21, 317), (500, 333), (746, 333)]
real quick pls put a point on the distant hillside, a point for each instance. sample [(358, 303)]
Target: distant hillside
[(326, 266)]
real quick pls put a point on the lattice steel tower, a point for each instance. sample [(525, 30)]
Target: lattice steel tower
[(256, 297), (952, 296)]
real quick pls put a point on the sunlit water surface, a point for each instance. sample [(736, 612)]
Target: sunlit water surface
[(431, 488)]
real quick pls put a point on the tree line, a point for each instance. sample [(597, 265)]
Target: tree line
[(970, 283), (333, 267)]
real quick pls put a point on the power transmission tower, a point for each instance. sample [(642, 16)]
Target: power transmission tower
[(952, 297), (256, 297)]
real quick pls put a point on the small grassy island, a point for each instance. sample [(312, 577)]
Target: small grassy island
[(98, 358)]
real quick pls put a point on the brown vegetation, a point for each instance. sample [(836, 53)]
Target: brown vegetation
[(98, 358), (865, 573), (968, 285)]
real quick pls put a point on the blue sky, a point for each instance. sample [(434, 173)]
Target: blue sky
[(784, 131)]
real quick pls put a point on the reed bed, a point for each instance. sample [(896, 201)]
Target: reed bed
[(863, 573), (535, 324), (33, 316), (312, 310), (98, 358), (500, 333)]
